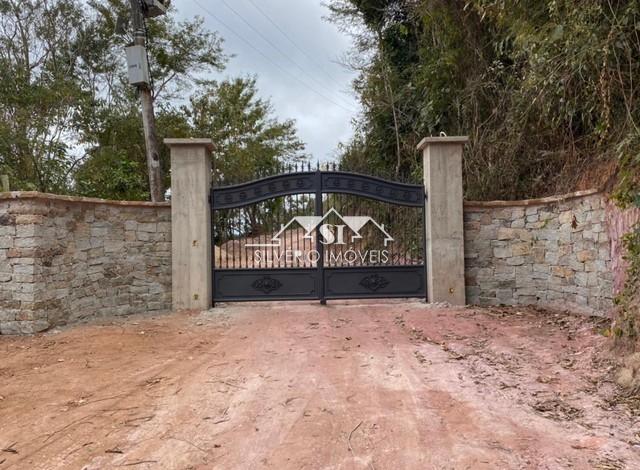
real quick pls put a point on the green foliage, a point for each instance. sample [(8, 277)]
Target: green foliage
[(69, 121), (40, 90), (545, 89), (114, 165), (246, 136)]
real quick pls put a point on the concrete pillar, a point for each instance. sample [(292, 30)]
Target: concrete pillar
[(444, 224), (191, 274)]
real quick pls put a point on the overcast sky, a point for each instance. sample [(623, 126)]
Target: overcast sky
[(293, 53)]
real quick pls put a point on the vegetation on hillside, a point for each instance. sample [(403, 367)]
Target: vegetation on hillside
[(545, 89)]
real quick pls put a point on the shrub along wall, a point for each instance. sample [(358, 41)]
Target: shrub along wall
[(63, 259)]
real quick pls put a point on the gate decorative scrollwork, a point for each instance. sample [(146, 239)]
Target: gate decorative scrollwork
[(318, 235)]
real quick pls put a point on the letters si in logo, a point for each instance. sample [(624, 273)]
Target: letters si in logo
[(328, 236)]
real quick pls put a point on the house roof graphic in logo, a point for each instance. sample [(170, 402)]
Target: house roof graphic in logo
[(310, 223)]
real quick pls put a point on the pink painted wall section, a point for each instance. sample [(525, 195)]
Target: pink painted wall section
[(619, 223)]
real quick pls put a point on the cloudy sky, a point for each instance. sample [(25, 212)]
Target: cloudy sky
[(293, 52)]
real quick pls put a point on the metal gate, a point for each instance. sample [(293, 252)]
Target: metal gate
[(318, 234)]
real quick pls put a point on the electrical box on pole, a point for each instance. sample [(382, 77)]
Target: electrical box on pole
[(153, 8), (137, 66)]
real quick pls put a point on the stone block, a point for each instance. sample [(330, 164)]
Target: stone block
[(28, 219), (147, 227), (7, 230), (541, 268), (585, 255), (130, 225), (521, 249), (566, 217), (575, 265), (517, 213), (502, 253), (98, 232), (516, 261), (114, 246), (527, 299), (507, 233), (23, 327), (6, 241), (473, 294), (562, 272), (164, 227), (505, 296), (564, 236)]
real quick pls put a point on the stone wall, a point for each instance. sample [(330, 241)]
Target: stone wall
[(553, 252), (63, 259)]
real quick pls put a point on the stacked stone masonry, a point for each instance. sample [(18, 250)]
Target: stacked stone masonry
[(64, 259), (553, 252)]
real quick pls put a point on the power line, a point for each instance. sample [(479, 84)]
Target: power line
[(288, 38), (275, 46), (267, 58)]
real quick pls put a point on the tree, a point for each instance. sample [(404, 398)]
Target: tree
[(41, 91), (65, 93), (115, 167), (245, 135), (545, 89), (247, 141), (178, 54)]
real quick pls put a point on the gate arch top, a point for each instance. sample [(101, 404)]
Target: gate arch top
[(239, 195)]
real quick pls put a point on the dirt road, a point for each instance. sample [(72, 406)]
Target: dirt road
[(299, 386)]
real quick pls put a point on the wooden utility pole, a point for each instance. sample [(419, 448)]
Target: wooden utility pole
[(148, 116)]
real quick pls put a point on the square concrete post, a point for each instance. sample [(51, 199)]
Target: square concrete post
[(191, 272), (444, 214)]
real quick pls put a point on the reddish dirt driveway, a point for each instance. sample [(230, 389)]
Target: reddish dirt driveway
[(298, 386)]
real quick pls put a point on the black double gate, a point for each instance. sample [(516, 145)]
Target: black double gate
[(318, 235)]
